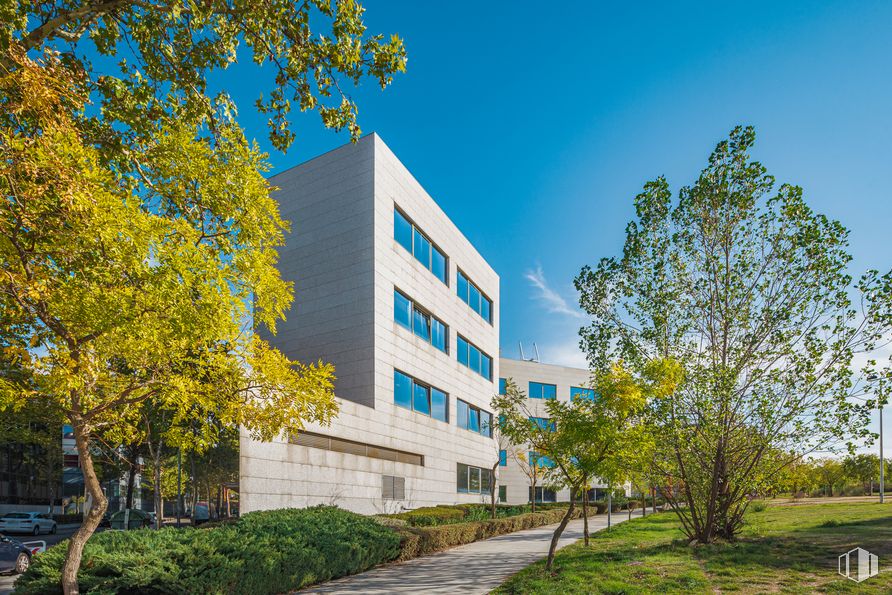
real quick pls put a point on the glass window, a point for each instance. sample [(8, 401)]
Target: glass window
[(474, 359), (412, 239), (439, 405), (474, 298), (422, 325), (402, 309), (462, 287), (402, 390), (502, 384), (438, 265), (462, 351), (539, 390), (463, 412), (422, 249), (402, 230), (462, 478), (582, 393), (486, 309), (474, 480), (485, 481), (485, 366), (503, 493), (544, 423), (422, 399), (439, 335), (486, 423), (474, 420), (503, 458)]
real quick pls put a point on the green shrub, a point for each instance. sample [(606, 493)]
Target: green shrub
[(758, 505), (600, 506), (264, 552), (432, 516), (420, 541)]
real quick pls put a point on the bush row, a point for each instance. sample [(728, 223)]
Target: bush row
[(264, 552), (432, 516), (420, 541)]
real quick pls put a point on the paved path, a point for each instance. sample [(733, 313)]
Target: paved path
[(477, 567)]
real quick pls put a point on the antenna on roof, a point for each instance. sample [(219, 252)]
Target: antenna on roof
[(523, 357)]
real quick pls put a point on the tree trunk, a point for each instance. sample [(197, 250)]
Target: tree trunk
[(131, 476), (533, 494), (492, 490), (92, 519), (585, 515), (194, 480), (557, 534)]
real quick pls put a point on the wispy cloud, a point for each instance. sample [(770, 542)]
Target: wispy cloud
[(552, 300)]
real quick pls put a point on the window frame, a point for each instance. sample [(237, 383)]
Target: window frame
[(585, 393), (428, 388), (468, 353), (416, 310), (541, 386), (462, 279), (480, 412), (423, 237), (469, 472)]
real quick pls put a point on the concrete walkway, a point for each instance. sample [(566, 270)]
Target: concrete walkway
[(477, 567)]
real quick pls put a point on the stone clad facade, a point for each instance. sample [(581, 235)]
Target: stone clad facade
[(347, 265)]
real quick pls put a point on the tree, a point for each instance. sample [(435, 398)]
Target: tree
[(138, 241), (863, 469), (137, 235), (747, 288), (829, 473), (585, 438), (503, 444)]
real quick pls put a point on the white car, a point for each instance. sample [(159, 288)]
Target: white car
[(34, 523)]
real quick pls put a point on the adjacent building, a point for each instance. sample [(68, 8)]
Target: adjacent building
[(541, 383), (388, 290)]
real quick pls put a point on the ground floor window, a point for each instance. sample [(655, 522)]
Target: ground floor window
[(473, 480), (503, 493), (543, 494)]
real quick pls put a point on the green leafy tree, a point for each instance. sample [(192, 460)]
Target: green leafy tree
[(138, 236), (829, 474), (747, 288), (863, 469), (603, 437)]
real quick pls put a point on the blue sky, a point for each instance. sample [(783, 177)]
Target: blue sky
[(535, 126)]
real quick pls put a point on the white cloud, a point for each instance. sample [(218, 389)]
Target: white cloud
[(553, 301)]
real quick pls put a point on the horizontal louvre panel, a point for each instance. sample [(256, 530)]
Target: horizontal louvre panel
[(407, 457), (352, 448), (355, 448), (312, 440), (382, 453)]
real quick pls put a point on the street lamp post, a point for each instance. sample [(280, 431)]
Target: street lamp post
[(882, 462), (874, 378)]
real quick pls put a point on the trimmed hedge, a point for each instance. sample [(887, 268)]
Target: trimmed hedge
[(272, 551), (421, 541), (433, 516)]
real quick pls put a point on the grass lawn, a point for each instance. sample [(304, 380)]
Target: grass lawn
[(783, 549)]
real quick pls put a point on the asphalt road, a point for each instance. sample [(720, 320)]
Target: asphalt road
[(7, 580)]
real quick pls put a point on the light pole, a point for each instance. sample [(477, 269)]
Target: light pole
[(874, 378), (179, 483)]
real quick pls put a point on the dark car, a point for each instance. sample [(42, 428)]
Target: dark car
[(14, 556)]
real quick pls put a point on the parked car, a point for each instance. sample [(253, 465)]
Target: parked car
[(14, 556), (201, 514), (34, 523), (124, 520)]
